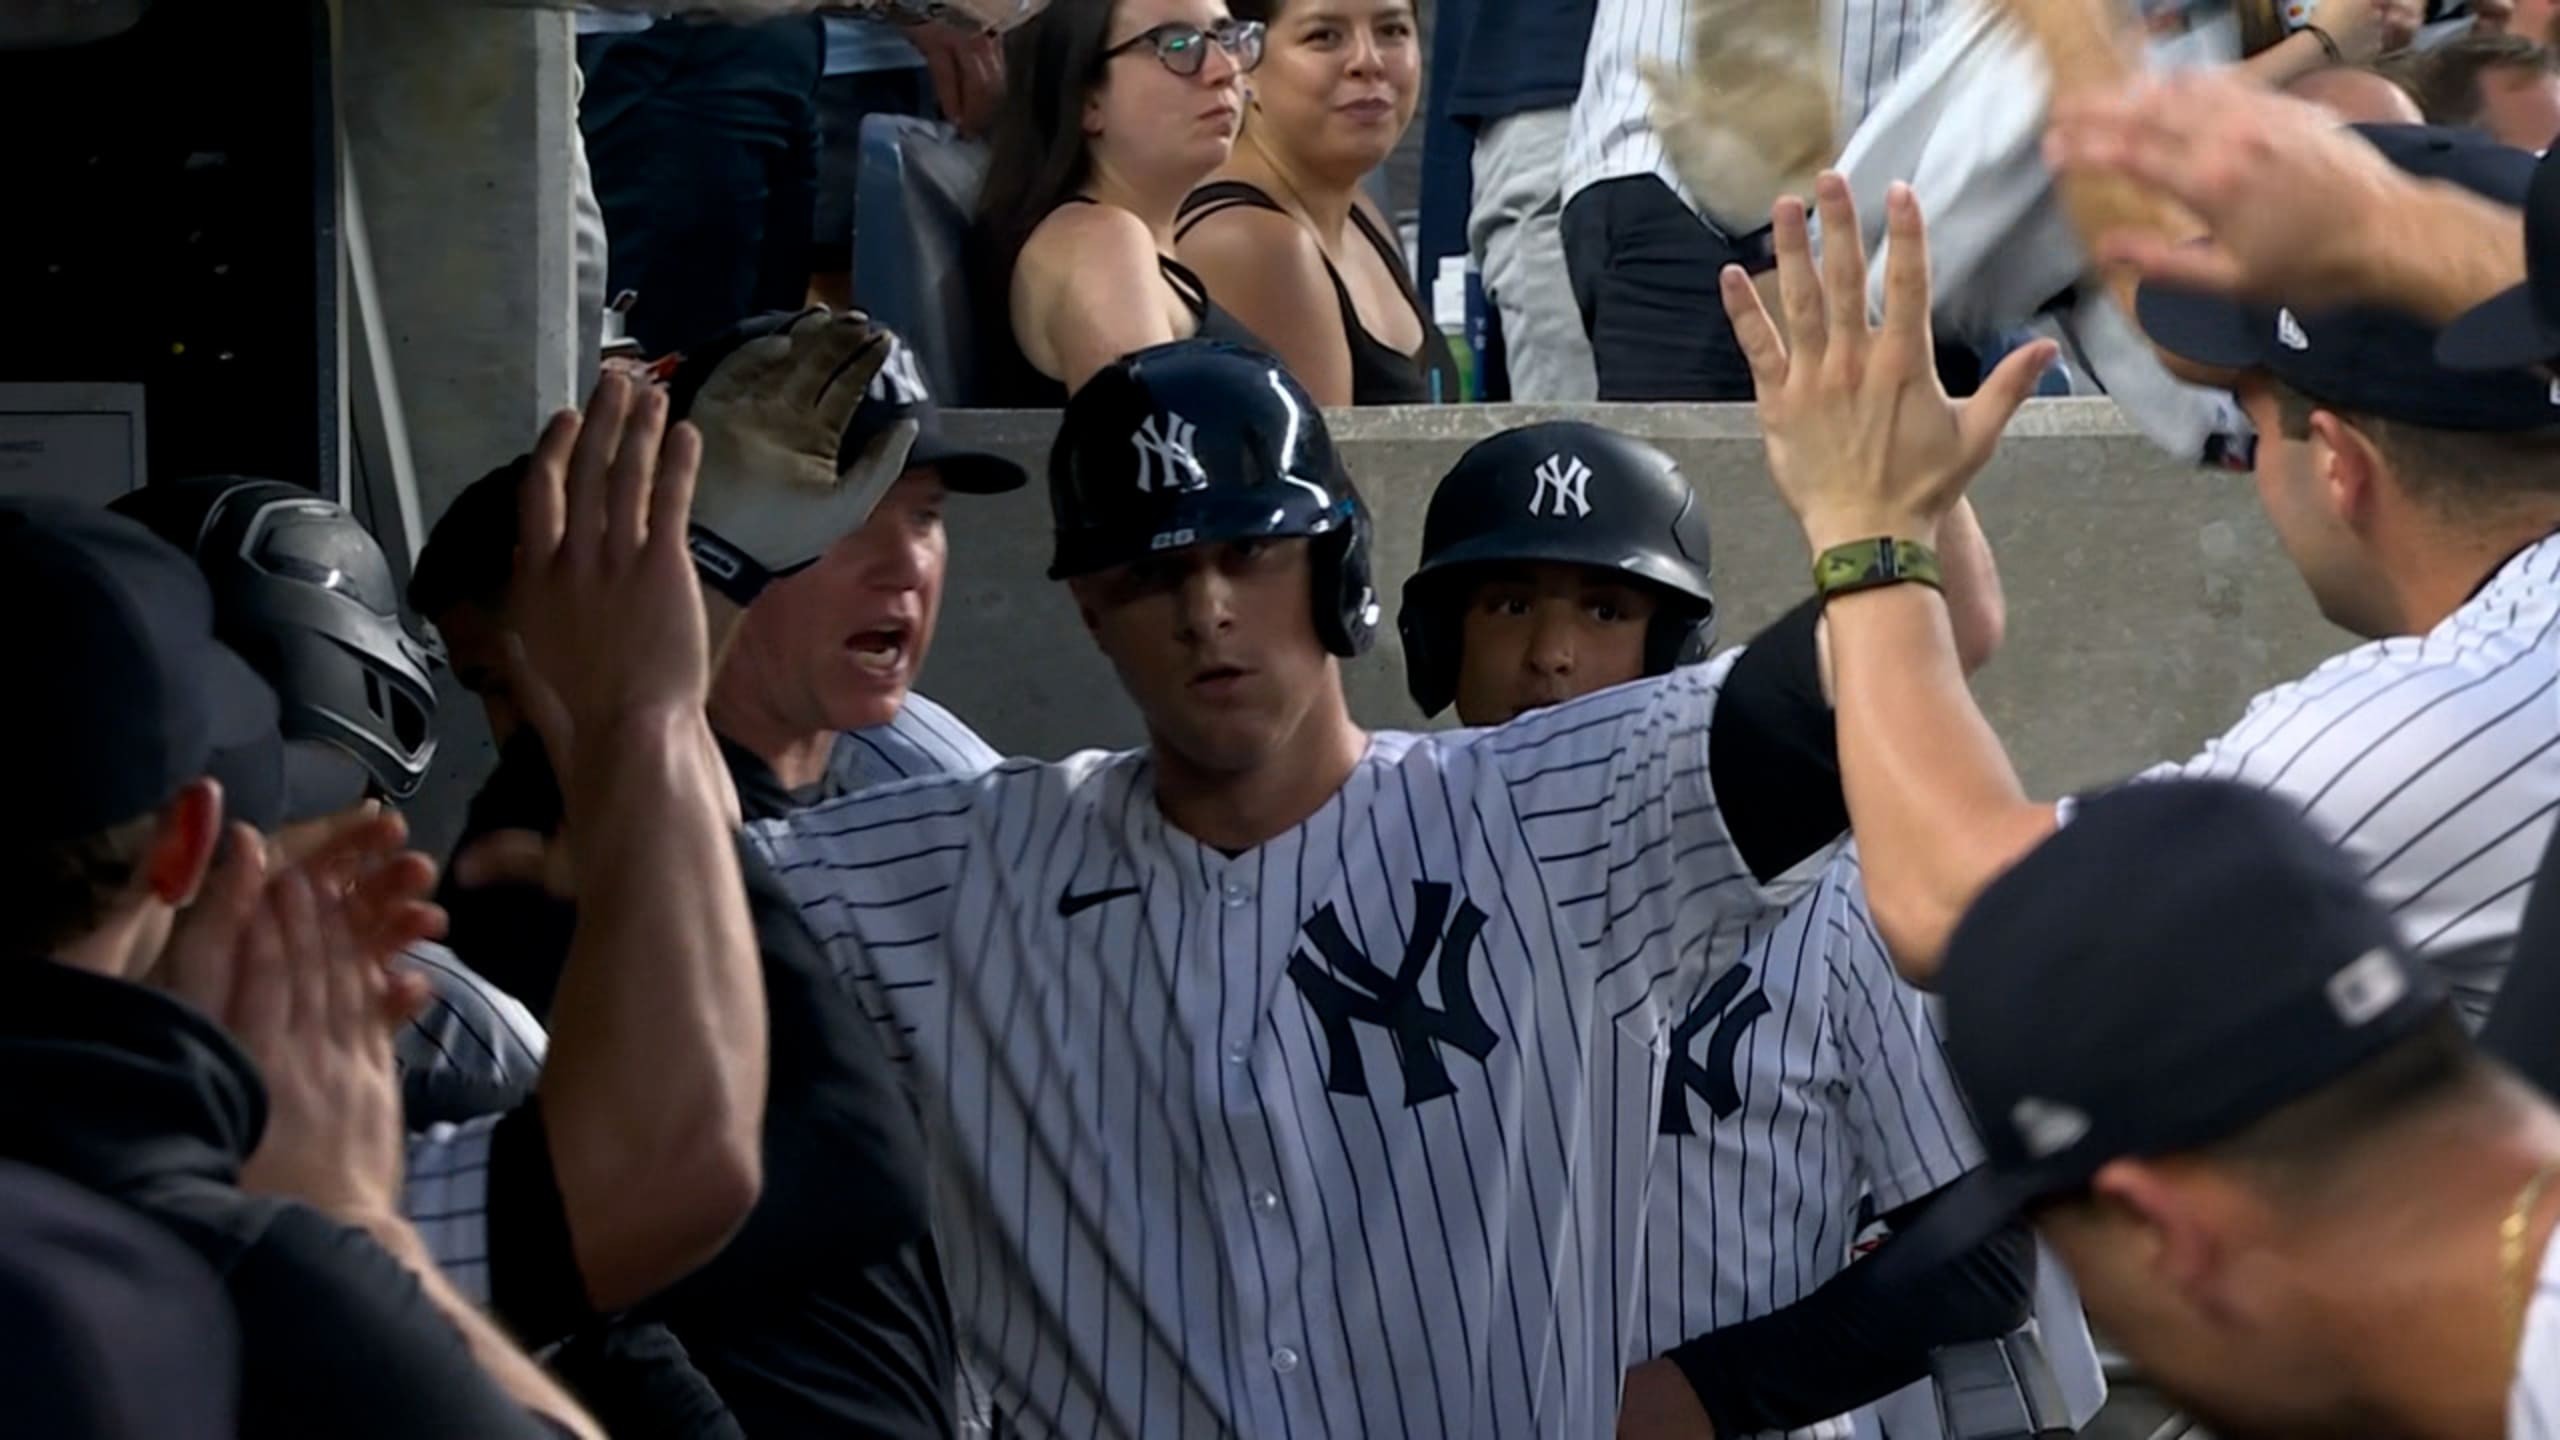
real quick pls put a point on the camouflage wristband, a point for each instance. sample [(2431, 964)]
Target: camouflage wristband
[(1866, 564)]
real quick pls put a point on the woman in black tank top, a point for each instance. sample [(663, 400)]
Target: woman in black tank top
[(1119, 108), (1284, 234)]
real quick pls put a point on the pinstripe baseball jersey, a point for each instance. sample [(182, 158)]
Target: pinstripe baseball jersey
[(922, 739), (1611, 135), (2433, 760), (445, 1194), (1322, 1138), (1802, 1080), (474, 1048)]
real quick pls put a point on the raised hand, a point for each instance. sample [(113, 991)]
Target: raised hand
[(607, 610), (2290, 198), (1862, 439)]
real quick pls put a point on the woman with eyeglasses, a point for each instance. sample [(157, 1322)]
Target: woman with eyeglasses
[(1120, 108), (1286, 236)]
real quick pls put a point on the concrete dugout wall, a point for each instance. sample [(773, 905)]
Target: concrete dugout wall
[(2148, 601)]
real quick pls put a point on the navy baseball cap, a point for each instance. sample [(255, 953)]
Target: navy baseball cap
[(114, 629), (2180, 960), (2522, 325), (897, 395), (2365, 359)]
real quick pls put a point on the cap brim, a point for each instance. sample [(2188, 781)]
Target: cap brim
[(969, 472), (1957, 1219), (2501, 333), (2204, 329)]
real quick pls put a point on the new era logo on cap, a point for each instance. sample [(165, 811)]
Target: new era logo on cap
[(2047, 1127), (2367, 986), (2289, 332)]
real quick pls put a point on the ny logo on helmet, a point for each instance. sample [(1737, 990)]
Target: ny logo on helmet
[(899, 380), (1565, 477), (1165, 461)]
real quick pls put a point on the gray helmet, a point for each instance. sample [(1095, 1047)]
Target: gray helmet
[(307, 598)]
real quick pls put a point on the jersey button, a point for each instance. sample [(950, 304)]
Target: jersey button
[(1237, 893), (1236, 1055), (1266, 1201), (1284, 1360)]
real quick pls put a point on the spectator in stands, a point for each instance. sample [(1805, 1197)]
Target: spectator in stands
[(2357, 96), (139, 1095), (703, 140), (2505, 85), (1286, 235), (1121, 107)]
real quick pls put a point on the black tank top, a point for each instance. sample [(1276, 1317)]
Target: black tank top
[(1020, 385), (1380, 374)]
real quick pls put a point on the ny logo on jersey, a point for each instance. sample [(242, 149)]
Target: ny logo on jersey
[(1394, 1002), (899, 380), (1565, 477), (1712, 1081), (1165, 461)]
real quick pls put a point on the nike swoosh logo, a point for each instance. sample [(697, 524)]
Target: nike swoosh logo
[(1070, 903)]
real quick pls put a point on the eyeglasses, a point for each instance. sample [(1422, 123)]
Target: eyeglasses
[(1183, 48)]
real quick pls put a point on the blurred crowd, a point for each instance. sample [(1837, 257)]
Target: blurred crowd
[(1698, 1039)]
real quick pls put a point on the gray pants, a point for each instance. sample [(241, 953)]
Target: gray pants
[(1512, 231)]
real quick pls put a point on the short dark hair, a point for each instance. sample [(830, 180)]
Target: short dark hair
[(2299, 1148), (54, 893), (2446, 80), (470, 554), (2457, 473)]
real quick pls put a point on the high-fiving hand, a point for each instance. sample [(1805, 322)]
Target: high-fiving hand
[(1862, 439), (606, 606)]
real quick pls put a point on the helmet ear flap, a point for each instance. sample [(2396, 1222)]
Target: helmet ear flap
[(1339, 584), (1679, 635)]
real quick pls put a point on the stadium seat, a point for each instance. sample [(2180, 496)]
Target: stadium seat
[(915, 194)]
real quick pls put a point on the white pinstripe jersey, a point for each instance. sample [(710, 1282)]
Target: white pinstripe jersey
[(1611, 135), (1320, 1139), (2434, 760), (1803, 1080)]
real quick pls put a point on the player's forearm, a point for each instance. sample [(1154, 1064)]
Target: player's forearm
[(1933, 800), (1852, 1341), (504, 1361), (654, 1091), (1976, 606), (2439, 249)]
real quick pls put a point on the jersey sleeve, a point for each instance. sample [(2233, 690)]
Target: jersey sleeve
[(474, 1050), (2431, 762), (1615, 805), (1911, 1128)]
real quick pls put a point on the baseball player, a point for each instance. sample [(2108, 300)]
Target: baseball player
[(2415, 501), (1804, 1081), (818, 531), (305, 595), (1262, 1068)]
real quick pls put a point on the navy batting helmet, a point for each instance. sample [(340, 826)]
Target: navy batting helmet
[(1200, 441), (306, 597), (1568, 493)]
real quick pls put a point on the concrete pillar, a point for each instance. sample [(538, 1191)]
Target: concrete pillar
[(459, 124)]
